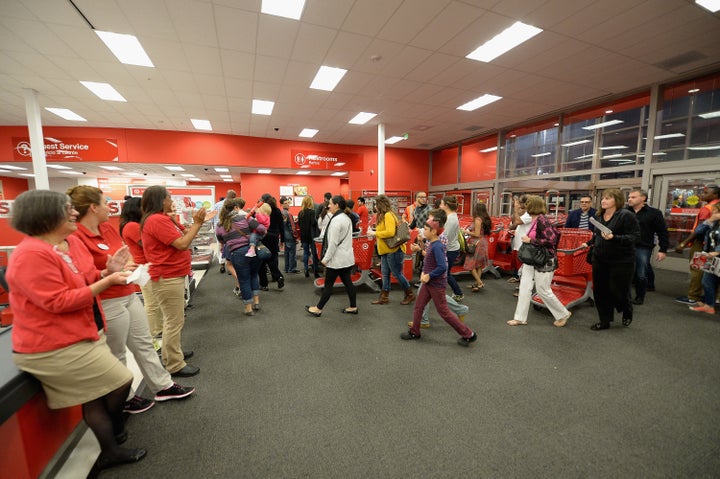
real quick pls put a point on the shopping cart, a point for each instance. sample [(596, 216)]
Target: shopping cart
[(572, 282), (363, 248)]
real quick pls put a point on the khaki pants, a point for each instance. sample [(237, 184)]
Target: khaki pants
[(170, 296), (152, 310)]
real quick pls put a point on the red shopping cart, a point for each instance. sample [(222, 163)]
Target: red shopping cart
[(363, 248), (572, 282)]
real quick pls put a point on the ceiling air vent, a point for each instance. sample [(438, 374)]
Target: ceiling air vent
[(673, 63), (473, 128)]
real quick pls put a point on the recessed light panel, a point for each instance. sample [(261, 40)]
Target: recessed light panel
[(602, 125), (393, 139), (308, 133), (264, 171), (283, 8), (362, 118), (262, 107), (104, 91), (327, 78), (175, 168), (712, 5), (503, 42), (66, 114), (222, 170), (126, 48), (479, 102), (201, 124)]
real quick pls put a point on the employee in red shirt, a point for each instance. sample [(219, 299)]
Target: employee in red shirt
[(130, 218), (59, 330), (167, 248), (364, 215), (127, 325)]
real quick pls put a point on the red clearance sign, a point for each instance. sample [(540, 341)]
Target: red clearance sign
[(69, 149), (326, 160)]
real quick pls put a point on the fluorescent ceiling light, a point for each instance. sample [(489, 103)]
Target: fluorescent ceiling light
[(29, 175), (126, 48), (222, 170), (394, 139), (201, 124), (616, 155), (264, 171), (584, 157), (339, 173), (12, 167), (70, 172), (59, 167), (618, 147), (306, 172), (503, 42), (175, 168), (712, 5), (283, 8), (622, 160), (308, 133), (227, 179), (103, 90), (694, 90), (486, 99), (111, 168), (670, 135), (362, 118), (488, 150), (541, 154), (327, 78), (187, 175), (712, 114), (66, 114), (602, 125), (225, 176), (4, 171), (132, 173), (704, 148), (575, 143), (262, 107)]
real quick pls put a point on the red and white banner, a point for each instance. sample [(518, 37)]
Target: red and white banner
[(69, 149)]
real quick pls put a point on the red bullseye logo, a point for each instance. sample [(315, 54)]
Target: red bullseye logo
[(24, 148), (300, 159)]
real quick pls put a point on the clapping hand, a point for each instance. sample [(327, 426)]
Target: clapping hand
[(118, 261)]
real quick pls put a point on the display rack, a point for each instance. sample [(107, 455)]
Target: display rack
[(203, 247), (399, 199)]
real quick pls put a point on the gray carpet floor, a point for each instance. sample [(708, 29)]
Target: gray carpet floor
[(286, 395)]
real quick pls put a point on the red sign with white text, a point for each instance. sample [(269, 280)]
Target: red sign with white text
[(69, 149), (326, 160)]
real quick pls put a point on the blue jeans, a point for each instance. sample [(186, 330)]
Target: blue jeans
[(393, 263), (451, 257), (710, 283), (308, 249), (246, 269), (642, 267), (290, 256)]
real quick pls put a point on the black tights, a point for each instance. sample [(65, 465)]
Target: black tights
[(104, 416)]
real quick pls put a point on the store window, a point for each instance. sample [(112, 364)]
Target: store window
[(689, 121), (531, 150)]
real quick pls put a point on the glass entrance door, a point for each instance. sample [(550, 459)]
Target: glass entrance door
[(678, 196)]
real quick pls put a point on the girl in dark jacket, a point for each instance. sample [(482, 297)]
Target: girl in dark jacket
[(308, 231)]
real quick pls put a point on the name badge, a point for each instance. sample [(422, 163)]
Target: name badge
[(103, 246)]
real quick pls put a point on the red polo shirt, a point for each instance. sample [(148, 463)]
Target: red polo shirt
[(166, 261), (101, 246), (131, 236)]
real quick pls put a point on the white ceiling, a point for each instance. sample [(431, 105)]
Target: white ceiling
[(405, 61)]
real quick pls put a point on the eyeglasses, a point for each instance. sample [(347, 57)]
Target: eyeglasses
[(585, 201)]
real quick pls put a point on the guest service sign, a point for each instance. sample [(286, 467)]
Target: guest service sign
[(69, 149)]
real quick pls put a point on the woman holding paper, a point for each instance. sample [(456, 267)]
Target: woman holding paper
[(613, 258), (127, 323)]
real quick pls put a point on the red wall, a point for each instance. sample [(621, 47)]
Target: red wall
[(12, 187), (405, 169), (475, 165), (445, 166)]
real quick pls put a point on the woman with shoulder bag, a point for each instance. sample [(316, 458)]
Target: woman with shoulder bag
[(391, 259), (309, 230), (541, 234)]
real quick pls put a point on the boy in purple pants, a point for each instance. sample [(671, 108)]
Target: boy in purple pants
[(434, 279)]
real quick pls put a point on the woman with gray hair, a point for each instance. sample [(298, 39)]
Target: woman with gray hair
[(59, 327)]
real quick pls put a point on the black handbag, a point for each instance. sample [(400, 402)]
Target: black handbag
[(402, 234), (533, 255)]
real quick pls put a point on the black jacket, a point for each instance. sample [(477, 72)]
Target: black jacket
[(626, 233), (308, 225), (652, 223)]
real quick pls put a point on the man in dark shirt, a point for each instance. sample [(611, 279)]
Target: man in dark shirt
[(580, 218), (652, 223)]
